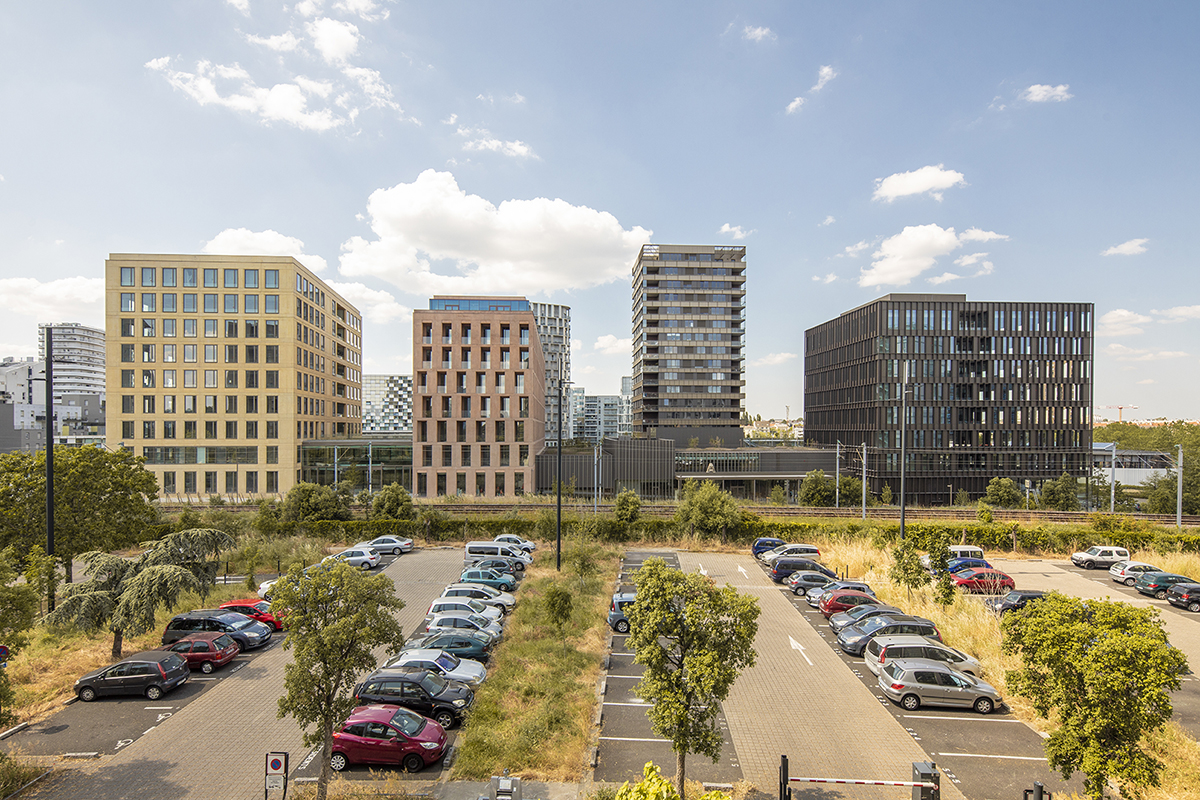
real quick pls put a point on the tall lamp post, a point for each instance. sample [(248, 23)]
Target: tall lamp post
[(837, 477), (864, 481), (903, 427), (49, 435), (1112, 481), (1179, 488), (558, 518)]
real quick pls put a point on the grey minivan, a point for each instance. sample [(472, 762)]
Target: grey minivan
[(152, 674)]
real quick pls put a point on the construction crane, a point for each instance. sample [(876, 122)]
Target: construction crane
[(1120, 411)]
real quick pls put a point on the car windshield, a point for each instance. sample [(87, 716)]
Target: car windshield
[(262, 607), (222, 642), (477, 620), (409, 722), (242, 624), (476, 606), (1094, 551), (434, 684), (865, 610), (873, 624), (448, 661), (1013, 596)]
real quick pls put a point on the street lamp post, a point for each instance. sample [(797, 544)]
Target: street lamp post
[(837, 477), (558, 518), (903, 427), (1112, 481), (950, 493), (1179, 489), (864, 481)]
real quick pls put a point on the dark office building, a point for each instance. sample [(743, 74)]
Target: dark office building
[(993, 390)]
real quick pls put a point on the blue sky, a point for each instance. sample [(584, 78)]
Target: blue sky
[(1019, 151)]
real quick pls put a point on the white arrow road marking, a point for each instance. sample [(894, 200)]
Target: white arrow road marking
[(703, 571), (742, 570), (797, 646)]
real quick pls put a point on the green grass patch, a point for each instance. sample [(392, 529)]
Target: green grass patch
[(15, 772), (533, 714)]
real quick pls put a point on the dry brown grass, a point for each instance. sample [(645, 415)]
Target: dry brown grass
[(1179, 563)]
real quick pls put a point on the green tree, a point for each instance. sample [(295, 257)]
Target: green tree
[(583, 559), (19, 604), (103, 500), (885, 495), (983, 513), (1004, 493), (939, 561), (125, 593), (653, 786), (1102, 497), (311, 502), (906, 568), (962, 498), (816, 489), (707, 509), (1105, 671), (266, 519), (558, 605), (39, 571), (392, 502), (694, 639), (693, 442), (336, 618), (778, 495), (1061, 494), (627, 507), (850, 491)]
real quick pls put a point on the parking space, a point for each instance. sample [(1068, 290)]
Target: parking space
[(626, 739)]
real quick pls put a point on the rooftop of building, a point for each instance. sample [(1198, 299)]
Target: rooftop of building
[(478, 303)]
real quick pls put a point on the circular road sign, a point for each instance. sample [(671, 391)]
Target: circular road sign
[(3, 651)]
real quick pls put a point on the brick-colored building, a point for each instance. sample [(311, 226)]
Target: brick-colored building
[(478, 397)]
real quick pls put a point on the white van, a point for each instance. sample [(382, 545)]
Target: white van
[(958, 551), (480, 550)]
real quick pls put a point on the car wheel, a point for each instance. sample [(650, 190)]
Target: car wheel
[(910, 702), (1130, 581), (505, 587), (395, 551), (622, 626), (984, 705), (153, 692), (87, 694), (1089, 565), (1161, 594), (366, 565), (413, 763), (207, 667), (444, 718), (338, 762), (1193, 606), (520, 566)]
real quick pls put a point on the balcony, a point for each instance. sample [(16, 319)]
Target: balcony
[(443, 390), (426, 340), (426, 365), (447, 340)]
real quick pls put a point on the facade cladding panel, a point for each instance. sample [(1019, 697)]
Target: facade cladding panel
[(479, 396), (994, 390), (387, 404), (554, 329), (688, 332), (219, 367)]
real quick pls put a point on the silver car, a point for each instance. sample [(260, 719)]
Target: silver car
[(465, 605), (484, 594), (457, 621), (884, 649), (365, 557), (516, 541), (790, 550), (1127, 572), (448, 665), (389, 544), (916, 682)]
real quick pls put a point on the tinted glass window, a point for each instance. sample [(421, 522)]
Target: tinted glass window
[(408, 722), (222, 642), (434, 684), (357, 729), (172, 662), (448, 662), (928, 678)]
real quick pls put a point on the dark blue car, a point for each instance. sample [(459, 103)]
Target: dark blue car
[(958, 564), (763, 544)]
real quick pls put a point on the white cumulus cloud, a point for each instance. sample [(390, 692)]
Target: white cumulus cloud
[(931, 179), (376, 305), (366, 9), (915, 249), (824, 75), (827, 221), (78, 299), (737, 231), (853, 250), (773, 359), (757, 34), (335, 40), (1122, 353), (827, 278), (485, 142), (1121, 322), (241, 5), (1044, 93), (517, 247), (283, 42), (612, 346), (795, 105), (245, 242), (1131, 248), (1179, 313)]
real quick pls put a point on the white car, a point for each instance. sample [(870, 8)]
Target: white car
[(448, 665), (1127, 572), (516, 541), (465, 605), (393, 544), (365, 557), (1100, 556), (791, 550), (457, 621)]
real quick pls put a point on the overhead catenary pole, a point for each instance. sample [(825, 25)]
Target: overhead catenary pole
[(837, 477), (864, 481), (1179, 489), (49, 434), (558, 483), (1112, 481), (903, 425)]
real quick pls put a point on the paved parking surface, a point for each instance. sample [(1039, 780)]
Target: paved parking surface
[(626, 739)]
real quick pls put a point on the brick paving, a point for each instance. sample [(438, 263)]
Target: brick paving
[(822, 717), (214, 748)]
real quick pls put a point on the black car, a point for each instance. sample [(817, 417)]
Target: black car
[(854, 640), (430, 695), (1013, 601), (1185, 595), (152, 674), (248, 633), (783, 567), (464, 644)]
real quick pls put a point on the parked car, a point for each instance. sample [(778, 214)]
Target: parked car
[(802, 580), (152, 673), (455, 620), (440, 662), (844, 600), (487, 577), (884, 649), (1099, 556), (959, 564), (844, 619), (796, 550), (957, 551), (465, 605), (1158, 584), (764, 543), (1185, 595), (389, 544), (365, 557), (502, 564), (254, 609), (781, 568), (853, 640), (205, 651), (484, 594), (248, 633), (813, 596), (516, 541), (462, 643), (474, 551), (1127, 572), (419, 690), (616, 611), (808, 565), (387, 734), (983, 581), (916, 682), (1014, 600)]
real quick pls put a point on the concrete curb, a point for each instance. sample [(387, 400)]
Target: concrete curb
[(92, 754), (20, 726)]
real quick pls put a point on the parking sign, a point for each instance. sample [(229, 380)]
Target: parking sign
[(277, 770)]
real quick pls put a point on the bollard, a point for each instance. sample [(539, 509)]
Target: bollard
[(785, 791), (926, 772), (1038, 792)]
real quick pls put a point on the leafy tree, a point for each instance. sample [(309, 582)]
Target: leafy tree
[(693, 639), (885, 495), (1105, 671), (311, 502), (983, 513), (653, 786), (392, 502), (102, 500), (1004, 493), (583, 559), (778, 495), (19, 604), (126, 593), (39, 571), (962, 498), (559, 605), (906, 567), (816, 489), (850, 491), (627, 507), (1061, 494), (335, 619), (939, 562), (707, 509), (266, 519)]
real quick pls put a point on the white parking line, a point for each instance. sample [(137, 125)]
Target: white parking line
[(966, 719), (985, 755), (160, 708), (643, 705), (634, 654), (623, 739), (634, 677)]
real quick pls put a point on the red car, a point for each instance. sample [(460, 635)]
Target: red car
[(205, 651), (844, 600), (983, 581), (255, 609), (387, 734)]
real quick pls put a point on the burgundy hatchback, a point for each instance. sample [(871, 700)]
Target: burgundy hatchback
[(255, 609), (844, 600), (983, 581), (387, 734), (205, 651)]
